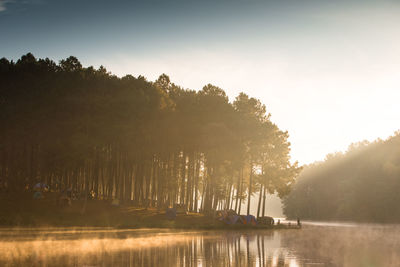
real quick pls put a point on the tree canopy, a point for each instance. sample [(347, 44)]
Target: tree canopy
[(362, 184), (146, 143)]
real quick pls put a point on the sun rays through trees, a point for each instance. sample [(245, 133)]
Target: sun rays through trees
[(144, 143)]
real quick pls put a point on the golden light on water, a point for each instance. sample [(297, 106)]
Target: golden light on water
[(11, 250), (341, 246)]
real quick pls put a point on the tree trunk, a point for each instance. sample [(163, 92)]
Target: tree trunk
[(264, 198), (259, 201), (250, 184)]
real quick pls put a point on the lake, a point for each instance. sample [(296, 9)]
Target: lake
[(316, 244)]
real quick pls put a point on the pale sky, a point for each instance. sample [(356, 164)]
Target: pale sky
[(328, 71)]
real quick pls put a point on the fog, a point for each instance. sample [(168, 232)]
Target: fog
[(358, 185), (318, 244)]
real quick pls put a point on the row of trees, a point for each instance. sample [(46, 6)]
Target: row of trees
[(362, 184), (147, 143)]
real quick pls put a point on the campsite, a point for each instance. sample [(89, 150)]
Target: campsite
[(249, 133), (59, 209)]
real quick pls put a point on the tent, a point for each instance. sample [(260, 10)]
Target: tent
[(266, 220), (40, 187), (230, 217), (249, 220), (233, 219)]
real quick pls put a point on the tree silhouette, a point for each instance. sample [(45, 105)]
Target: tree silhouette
[(146, 143), (361, 184)]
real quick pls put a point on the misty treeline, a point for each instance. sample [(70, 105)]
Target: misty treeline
[(150, 144), (362, 184)]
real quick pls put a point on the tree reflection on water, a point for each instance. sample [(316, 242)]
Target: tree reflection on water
[(310, 246), (110, 248)]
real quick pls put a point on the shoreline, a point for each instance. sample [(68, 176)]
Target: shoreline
[(100, 213)]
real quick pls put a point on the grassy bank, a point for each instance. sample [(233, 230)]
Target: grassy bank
[(24, 211)]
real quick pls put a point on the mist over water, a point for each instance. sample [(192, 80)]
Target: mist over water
[(314, 245)]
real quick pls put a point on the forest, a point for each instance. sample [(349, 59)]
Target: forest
[(362, 184), (148, 144)]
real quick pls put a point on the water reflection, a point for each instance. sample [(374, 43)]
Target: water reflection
[(102, 247), (311, 246)]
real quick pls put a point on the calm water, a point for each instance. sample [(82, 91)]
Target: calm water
[(317, 244)]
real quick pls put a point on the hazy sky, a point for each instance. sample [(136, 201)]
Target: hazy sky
[(328, 71)]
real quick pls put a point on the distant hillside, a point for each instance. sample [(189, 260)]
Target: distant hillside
[(362, 184)]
